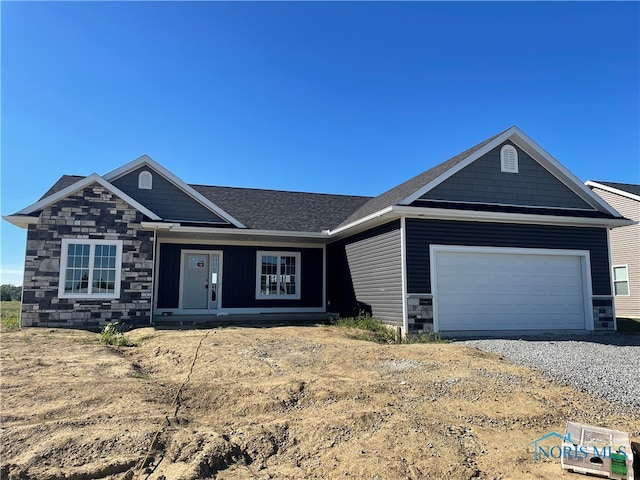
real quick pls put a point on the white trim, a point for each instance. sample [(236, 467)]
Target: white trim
[(183, 254), (186, 188), (62, 274), (83, 183), (617, 191), (362, 220), (519, 138), (587, 291), (22, 221), (230, 231), (613, 279), (298, 274), (248, 243), (403, 267), (504, 217)]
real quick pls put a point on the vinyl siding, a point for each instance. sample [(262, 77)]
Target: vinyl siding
[(368, 267), (422, 233), (239, 276), (483, 182), (165, 199), (625, 250)]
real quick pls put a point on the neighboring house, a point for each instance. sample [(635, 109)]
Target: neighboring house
[(625, 245), (499, 238)]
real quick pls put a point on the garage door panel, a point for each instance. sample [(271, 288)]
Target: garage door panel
[(508, 291)]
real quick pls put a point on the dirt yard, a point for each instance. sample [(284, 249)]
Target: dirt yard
[(276, 403)]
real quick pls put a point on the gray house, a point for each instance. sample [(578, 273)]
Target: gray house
[(499, 238), (625, 245)]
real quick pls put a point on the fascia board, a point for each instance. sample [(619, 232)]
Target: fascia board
[(590, 183), (186, 188), (455, 169), (79, 185), (266, 233), (22, 221), (366, 219), (503, 217)]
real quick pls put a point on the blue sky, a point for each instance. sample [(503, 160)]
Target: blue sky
[(327, 97)]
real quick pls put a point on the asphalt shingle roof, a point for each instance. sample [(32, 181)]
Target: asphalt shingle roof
[(631, 188)]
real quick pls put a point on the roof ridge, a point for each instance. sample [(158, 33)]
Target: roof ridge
[(279, 190)]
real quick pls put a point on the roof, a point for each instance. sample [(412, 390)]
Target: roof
[(283, 210), (630, 188), (287, 211)]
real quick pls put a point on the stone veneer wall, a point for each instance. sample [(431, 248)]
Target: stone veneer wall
[(603, 314), (420, 313), (94, 213)]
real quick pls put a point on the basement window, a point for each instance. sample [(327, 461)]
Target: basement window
[(90, 268), (508, 159), (145, 180)]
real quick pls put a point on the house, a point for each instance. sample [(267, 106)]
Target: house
[(499, 238), (625, 245)]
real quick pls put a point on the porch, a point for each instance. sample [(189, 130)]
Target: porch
[(240, 320)]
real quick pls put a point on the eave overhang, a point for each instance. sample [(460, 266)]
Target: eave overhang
[(22, 221)]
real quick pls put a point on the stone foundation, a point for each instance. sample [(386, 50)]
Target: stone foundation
[(420, 313), (94, 213), (603, 319)]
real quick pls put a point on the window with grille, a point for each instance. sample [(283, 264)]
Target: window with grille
[(90, 268), (278, 275)]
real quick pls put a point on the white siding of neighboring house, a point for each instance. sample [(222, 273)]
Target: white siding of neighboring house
[(625, 250)]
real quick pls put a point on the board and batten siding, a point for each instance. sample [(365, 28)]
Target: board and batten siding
[(421, 233), (625, 250), (375, 266)]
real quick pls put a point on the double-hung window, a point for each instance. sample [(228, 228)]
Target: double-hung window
[(278, 275), (90, 268), (621, 280)]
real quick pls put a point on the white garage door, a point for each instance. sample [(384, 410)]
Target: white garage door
[(508, 289)]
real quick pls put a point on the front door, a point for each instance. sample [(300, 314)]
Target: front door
[(201, 279)]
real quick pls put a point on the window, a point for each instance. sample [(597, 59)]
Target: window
[(508, 159), (145, 180), (621, 280), (90, 268), (278, 275)]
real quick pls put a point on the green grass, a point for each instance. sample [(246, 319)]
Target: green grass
[(630, 326), (366, 327), (10, 315)]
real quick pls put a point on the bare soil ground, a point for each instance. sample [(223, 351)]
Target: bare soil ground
[(276, 403)]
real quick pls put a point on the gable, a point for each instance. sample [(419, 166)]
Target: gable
[(483, 181), (165, 198)]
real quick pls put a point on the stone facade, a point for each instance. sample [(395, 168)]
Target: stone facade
[(94, 213), (420, 313), (603, 314)]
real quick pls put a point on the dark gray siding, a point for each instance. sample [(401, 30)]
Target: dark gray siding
[(365, 273), (165, 199), (422, 233), (483, 182), (239, 276)]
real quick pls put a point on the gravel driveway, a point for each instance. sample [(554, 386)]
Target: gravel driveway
[(606, 365)]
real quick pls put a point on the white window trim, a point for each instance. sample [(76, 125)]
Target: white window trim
[(259, 255), (145, 180), (504, 166), (92, 245), (613, 280)]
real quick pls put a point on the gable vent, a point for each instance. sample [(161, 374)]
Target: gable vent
[(145, 180), (509, 159)]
